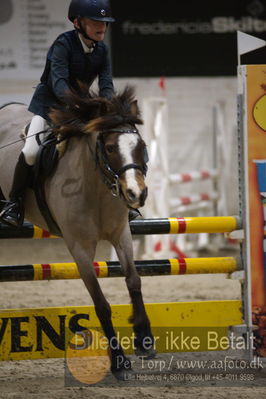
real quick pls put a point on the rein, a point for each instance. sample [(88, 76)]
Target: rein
[(37, 134), (25, 138), (110, 176)]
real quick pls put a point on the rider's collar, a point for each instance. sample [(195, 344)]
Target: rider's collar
[(87, 50)]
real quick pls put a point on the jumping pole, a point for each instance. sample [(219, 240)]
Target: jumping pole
[(59, 271), (215, 224)]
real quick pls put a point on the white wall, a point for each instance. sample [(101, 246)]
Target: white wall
[(191, 102)]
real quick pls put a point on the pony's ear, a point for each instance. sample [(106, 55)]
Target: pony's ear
[(134, 108)]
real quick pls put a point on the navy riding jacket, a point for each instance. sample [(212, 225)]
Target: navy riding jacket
[(66, 63)]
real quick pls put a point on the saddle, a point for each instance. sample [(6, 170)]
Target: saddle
[(45, 165)]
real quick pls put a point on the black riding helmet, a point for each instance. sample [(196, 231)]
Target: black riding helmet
[(98, 10)]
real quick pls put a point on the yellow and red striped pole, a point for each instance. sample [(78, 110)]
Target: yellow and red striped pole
[(211, 224), (60, 271)]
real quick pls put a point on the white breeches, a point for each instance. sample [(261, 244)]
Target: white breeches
[(30, 149)]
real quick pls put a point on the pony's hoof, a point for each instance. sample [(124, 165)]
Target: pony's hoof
[(122, 375), (146, 353), (121, 372)]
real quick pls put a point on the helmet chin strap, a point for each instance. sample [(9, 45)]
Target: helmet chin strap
[(81, 30)]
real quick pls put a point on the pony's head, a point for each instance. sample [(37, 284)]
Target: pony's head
[(120, 151)]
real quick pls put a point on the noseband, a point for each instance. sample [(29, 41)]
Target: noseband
[(110, 176)]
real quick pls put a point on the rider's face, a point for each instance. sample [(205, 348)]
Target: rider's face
[(94, 29)]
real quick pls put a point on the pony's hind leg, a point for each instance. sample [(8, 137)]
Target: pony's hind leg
[(144, 341), (84, 256)]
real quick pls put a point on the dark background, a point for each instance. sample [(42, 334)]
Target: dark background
[(181, 54)]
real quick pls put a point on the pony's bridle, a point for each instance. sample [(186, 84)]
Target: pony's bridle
[(110, 176)]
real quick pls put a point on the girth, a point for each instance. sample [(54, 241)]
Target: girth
[(45, 164)]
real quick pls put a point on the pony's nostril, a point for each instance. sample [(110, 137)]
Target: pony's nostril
[(131, 195)]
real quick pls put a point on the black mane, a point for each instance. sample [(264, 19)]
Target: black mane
[(84, 111)]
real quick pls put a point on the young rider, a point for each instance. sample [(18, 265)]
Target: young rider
[(79, 54)]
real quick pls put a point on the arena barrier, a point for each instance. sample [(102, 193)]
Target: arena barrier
[(215, 224), (47, 332)]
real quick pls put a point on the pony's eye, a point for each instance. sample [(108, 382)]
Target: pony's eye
[(110, 148)]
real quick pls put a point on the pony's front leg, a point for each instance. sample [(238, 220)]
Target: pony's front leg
[(144, 341), (84, 255)]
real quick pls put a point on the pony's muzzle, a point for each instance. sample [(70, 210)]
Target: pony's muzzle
[(136, 200), (131, 195)]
